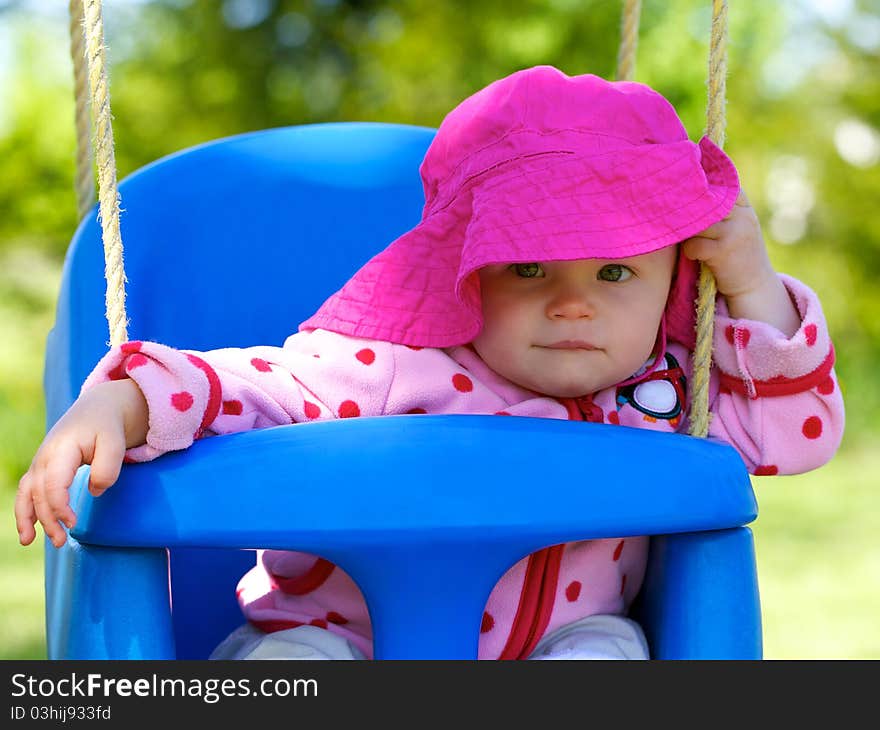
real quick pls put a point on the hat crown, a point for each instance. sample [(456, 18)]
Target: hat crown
[(538, 166), (538, 110)]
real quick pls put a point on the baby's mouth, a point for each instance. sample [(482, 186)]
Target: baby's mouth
[(570, 345)]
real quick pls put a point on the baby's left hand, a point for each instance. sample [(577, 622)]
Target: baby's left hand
[(734, 250)]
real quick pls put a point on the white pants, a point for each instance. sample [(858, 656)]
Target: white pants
[(593, 637), (303, 642)]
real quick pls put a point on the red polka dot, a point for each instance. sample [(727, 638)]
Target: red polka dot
[(416, 411), (117, 373), (261, 365), (349, 409), (336, 618), (810, 332), (270, 626), (462, 383), (766, 470), (366, 356), (232, 408), (614, 418), (812, 427), (487, 623), (826, 387), (622, 583), (317, 356), (312, 411), (135, 361), (413, 347), (130, 348), (319, 622), (182, 401), (617, 551), (573, 590), (728, 333), (501, 413)]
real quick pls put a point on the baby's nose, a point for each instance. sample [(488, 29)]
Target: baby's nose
[(571, 302)]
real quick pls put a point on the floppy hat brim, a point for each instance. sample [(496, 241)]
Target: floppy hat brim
[(407, 294)]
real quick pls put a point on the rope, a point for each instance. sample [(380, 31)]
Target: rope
[(85, 176), (715, 121), (702, 361), (629, 38), (108, 192)]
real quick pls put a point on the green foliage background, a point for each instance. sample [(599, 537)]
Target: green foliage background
[(187, 71)]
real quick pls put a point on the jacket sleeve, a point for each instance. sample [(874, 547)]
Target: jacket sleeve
[(777, 399), (316, 375)]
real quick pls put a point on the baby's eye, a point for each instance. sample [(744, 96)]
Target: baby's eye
[(527, 271), (614, 272)]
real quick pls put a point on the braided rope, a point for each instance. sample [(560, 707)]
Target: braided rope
[(629, 38), (85, 175), (702, 361), (108, 192), (715, 122)]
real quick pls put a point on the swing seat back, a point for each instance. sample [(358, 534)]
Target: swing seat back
[(232, 244)]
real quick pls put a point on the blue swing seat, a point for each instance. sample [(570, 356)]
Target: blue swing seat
[(233, 243)]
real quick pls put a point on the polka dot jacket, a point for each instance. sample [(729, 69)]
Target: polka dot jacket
[(775, 399)]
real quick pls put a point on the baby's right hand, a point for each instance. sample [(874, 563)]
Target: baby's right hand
[(96, 430)]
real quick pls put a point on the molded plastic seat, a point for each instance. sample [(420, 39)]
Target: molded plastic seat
[(234, 243)]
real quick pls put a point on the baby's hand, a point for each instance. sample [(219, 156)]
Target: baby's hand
[(95, 430), (734, 250)]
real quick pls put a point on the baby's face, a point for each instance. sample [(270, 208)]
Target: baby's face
[(569, 328)]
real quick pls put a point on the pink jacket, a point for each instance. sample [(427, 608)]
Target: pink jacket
[(776, 400)]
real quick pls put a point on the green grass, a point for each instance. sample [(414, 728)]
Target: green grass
[(22, 633), (817, 535), (28, 288), (817, 541)]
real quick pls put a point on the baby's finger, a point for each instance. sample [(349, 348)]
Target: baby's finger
[(53, 529), (59, 473), (25, 516), (106, 463), (713, 231), (699, 248)]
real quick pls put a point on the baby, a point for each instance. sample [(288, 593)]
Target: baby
[(552, 275)]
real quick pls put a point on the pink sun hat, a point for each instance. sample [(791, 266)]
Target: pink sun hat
[(538, 166)]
